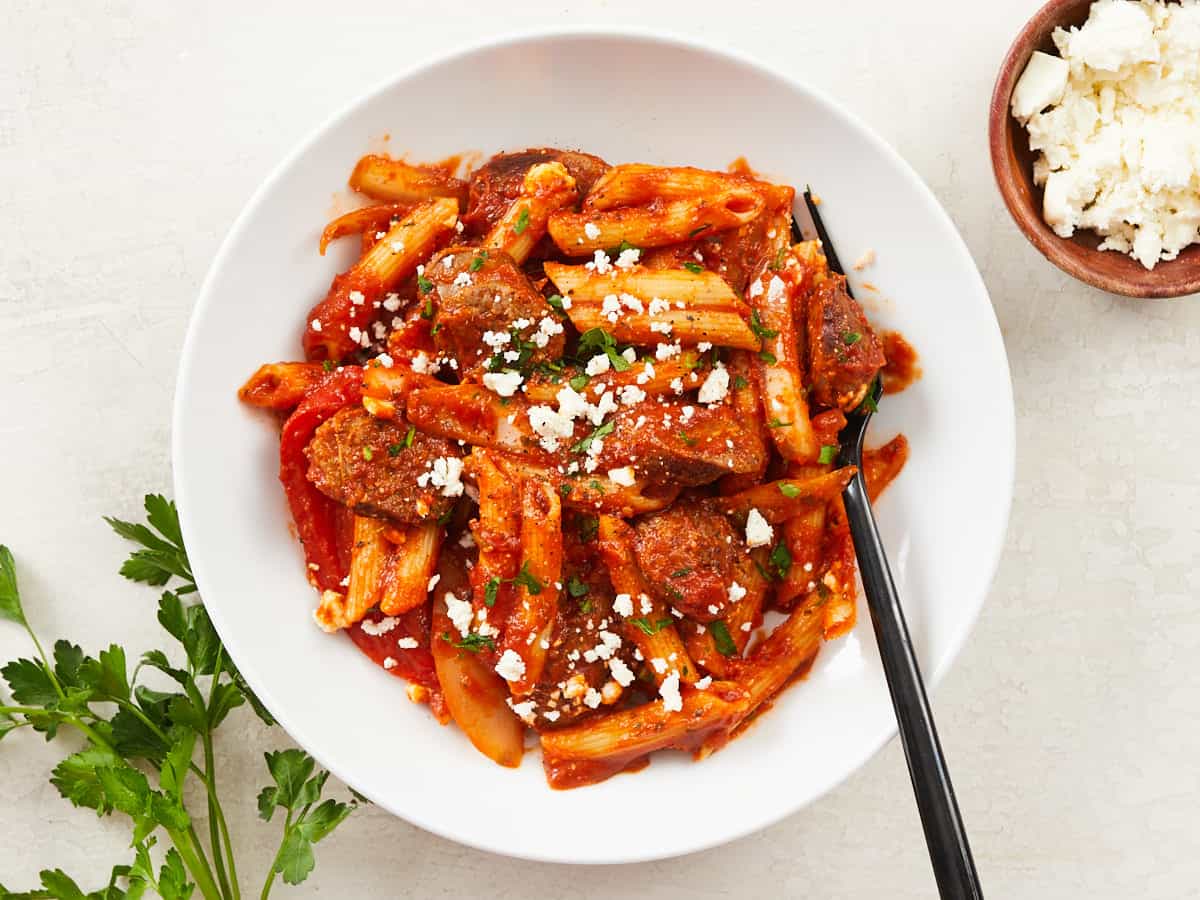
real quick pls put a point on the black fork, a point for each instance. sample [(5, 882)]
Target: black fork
[(949, 849)]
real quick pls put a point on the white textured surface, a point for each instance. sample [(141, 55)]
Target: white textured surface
[(132, 133)]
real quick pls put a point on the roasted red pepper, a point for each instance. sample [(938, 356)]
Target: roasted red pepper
[(313, 512)]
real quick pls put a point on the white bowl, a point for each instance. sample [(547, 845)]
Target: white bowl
[(626, 97)]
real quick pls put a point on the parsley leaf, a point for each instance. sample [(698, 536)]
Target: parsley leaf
[(491, 591), (768, 357), (850, 338), (527, 580), (778, 423), (368, 454), (395, 449), (589, 527), (781, 561), (788, 489), (644, 625), (10, 597), (694, 268), (579, 382), (555, 301), (478, 261), (761, 331), (740, 383), (601, 431), (425, 286), (828, 454), (471, 642), (721, 637), (522, 221), (698, 229), (576, 588), (682, 573)]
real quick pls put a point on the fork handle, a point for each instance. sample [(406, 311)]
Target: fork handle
[(949, 850)]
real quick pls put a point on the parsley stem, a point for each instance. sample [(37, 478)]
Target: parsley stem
[(287, 827), (45, 660), (193, 858), (214, 814)]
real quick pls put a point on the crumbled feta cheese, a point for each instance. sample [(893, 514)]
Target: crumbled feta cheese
[(551, 715), (621, 673), (659, 664), (600, 263), (677, 385), (496, 339), (597, 365), (389, 663), (460, 613), (315, 325), (647, 373), (383, 626), (547, 328), (503, 383), (666, 351), (357, 298), (551, 426), (736, 592), (646, 605), (408, 643), (776, 289), (1115, 122), (669, 691), (355, 333), (423, 365), (704, 346), (704, 683), (623, 476), (756, 288), (591, 231), (630, 395), (623, 604), (446, 473), (715, 386), (391, 302), (601, 408), (510, 667), (524, 709), (658, 306), (571, 403), (758, 530), (628, 258), (592, 698), (432, 583), (662, 327)]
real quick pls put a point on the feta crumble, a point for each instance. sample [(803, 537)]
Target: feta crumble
[(758, 530)]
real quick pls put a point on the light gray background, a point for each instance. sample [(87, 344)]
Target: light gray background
[(131, 133)]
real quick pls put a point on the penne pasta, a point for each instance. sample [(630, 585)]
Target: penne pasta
[(836, 587), (281, 386), (595, 492), (656, 225), (651, 627), (409, 568), (547, 187), (367, 562), (340, 324), (387, 179), (531, 622), (472, 413), (779, 501), (648, 307), (654, 379), (636, 184), (772, 295), (496, 532), (367, 220)]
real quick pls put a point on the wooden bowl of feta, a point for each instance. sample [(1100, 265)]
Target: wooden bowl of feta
[(1095, 141)]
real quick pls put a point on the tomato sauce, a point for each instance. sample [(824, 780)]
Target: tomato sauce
[(901, 369)]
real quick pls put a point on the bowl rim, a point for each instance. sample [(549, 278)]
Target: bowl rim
[(989, 564), (1045, 241)]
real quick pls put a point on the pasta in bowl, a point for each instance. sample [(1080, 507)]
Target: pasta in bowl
[(253, 307), (564, 434)]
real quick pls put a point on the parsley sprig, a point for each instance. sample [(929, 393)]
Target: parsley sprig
[(135, 735)]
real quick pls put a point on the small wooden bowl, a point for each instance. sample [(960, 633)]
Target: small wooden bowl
[(1012, 162)]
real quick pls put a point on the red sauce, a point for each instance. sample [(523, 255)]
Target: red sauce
[(901, 369)]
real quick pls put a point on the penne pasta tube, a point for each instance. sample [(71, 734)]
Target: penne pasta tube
[(281, 386), (657, 225), (636, 184), (367, 220), (778, 362), (472, 413), (369, 555), (595, 492), (601, 747), (654, 379), (475, 695), (496, 532), (531, 623), (779, 501), (409, 568), (648, 307), (651, 626), (339, 325), (836, 587), (547, 187), (387, 179)]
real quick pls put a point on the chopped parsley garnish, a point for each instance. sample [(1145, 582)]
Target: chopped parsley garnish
[(522, 221), (596, 486), (565, 489), (828, 454), (424, 284), (761, 331), (645, 626), (427, 312), (778, 423), (395, 449), (694, 268), (585, 605), (778, 263), (527, 580), (600, 431), (768, 357), (595, 341), (491, 590), (673, 592), (690, 441), (555, 302), (697, 230), (471, 641), (579, 382), (621, 248), (850, 338), (781, 561), (740, 383), (576, 588), (437, 326), (788, 490), (408, 438), (478, 261), (682, 573), (327, 365), (589, 527), (869, 404), (725, 644), (367, 453)]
